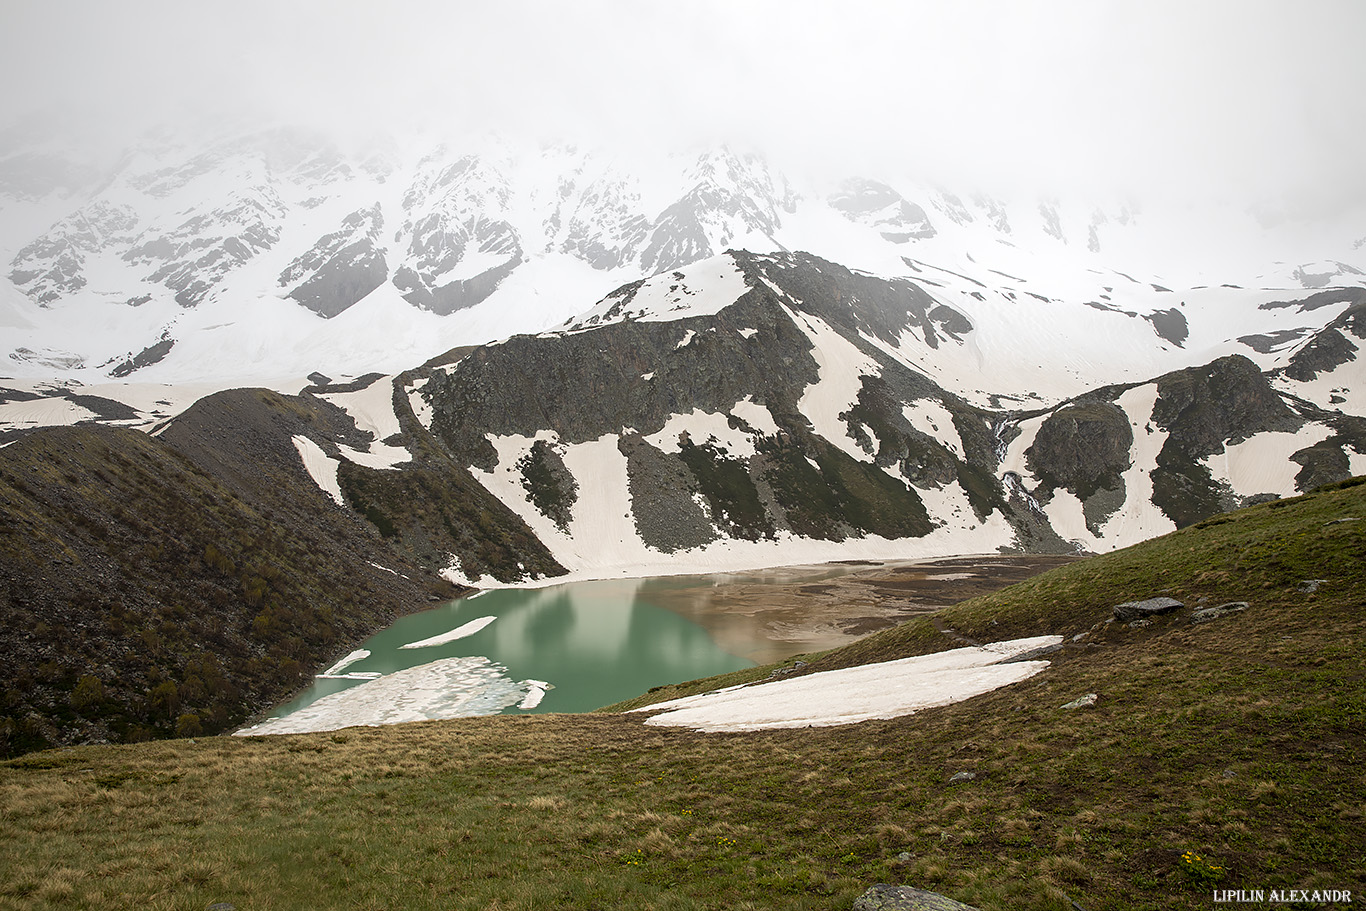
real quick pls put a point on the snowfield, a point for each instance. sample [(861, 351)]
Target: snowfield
[(889, 689)]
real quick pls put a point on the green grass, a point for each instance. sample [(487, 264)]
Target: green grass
[(1237, 741)]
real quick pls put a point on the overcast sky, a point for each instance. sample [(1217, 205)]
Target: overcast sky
[(1261, 99)]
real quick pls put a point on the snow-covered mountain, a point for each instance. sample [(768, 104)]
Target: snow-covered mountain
[(264, 257), (761, 409)]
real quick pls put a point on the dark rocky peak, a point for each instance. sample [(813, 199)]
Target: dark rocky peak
[(1332, 346), (469, 181), (881, 207), (857, 303), (627, 373), (603, 223), (748, 173), (1225, 401), (1083, 446), (459, 245), (194, 257)]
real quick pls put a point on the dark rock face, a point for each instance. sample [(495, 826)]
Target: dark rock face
[(858, 303), (584, 385), (342, 267), (664, 498), (145, 358), (549, 484), (1322, 463), (606, 229), (1203, 408), (1331, 347), (1227, 400), (1321, 299), (196, 255), (455, 219), (1265, 344), (1082, 447), (729, 190), (1170, 324)]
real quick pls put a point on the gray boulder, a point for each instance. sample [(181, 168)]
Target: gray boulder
[(883, 897), (1130, 611), (1205, 614)]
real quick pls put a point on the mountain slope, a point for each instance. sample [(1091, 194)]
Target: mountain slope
[(178, 585)]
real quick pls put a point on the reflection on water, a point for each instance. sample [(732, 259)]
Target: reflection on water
[(595, 643)]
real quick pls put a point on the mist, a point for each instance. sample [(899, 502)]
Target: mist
[(1253, 101)]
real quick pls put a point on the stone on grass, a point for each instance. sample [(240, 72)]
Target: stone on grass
[(1309, 586), (1082, 702), (1130, 611), (962, 776), (1205, 614), (883, 897)]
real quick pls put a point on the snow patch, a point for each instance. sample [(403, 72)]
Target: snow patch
[(931, 418), (704, 288), (842, 369), (889, 689), (1261, 463), (321, 467), (704, 427)]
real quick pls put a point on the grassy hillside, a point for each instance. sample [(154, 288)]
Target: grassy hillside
[(1224, 754)]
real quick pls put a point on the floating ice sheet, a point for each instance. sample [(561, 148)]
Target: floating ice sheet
[(448, 688)]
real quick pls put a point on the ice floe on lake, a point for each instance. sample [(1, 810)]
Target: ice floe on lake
[(448, 688), (460, 632)]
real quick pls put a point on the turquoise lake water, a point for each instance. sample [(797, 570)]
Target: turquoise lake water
[(595, 643)]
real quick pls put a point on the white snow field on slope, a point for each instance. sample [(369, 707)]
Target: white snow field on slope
[(321, 467), (889, 689)]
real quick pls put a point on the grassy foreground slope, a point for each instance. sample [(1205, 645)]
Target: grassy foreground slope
[(1225, 754)]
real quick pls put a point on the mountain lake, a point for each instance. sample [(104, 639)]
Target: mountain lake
[(577, 646)]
